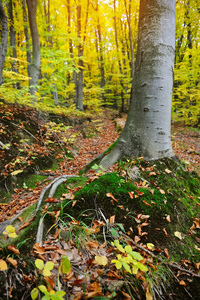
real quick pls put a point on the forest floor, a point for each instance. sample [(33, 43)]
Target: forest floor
[(83, 141)]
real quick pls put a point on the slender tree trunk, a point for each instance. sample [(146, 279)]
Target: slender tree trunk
[(119, 62), (28, 49), (79, 100), (147, 130), (4, 39), (35, 64), (12, 34)]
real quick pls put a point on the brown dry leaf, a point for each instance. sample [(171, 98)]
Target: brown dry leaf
[(60, 251), (93, 294), (111, 196), (51, 200), (152, 174), (92, 244), (120, 206), (145, 202), (198, 204), (112, 219), (94, 286), (139, 193), (168, 218), (113, 274), (196, 222), (151, 191), (38, 249), (191, 197), (73, 203), (166, 253), (167, 171), (136, 239), (50, 247), (12, 261), (78, 297), (131, 194), (13, 249), (165, 232), (126, 296), (57, 233), (143, 217), (182, 282), (20, 219), (162, 192), (197, 265), (50, 283)]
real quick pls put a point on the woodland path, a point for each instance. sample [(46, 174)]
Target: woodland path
[(186, 145)]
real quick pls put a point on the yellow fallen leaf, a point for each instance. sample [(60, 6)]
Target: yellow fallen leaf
[(178, 235), (16, 172), (101, 260), (150, 246), (3, 265)]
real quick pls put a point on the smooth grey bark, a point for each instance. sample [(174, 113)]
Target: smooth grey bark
[(147, 131), (28, 49), (34, 67), (4, 39), (12, 34)]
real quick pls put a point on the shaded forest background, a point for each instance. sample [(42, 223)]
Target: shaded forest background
[(87, 51)]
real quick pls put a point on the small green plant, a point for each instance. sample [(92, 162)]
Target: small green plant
[(45, 269), (129, 260), (100, 170)]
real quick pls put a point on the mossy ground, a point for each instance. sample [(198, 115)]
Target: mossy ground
[(175, 194)]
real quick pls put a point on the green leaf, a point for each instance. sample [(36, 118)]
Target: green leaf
[(120, 226), (134, 270), (58, 295), (117, 263), (34, 293), (65, 265), (46, 272), (128, 249), (114, 233), (49, 265), (136, 255), (119, 246), (39, 264), (46, 297), (126, 267), (43, 289), (14, 173)]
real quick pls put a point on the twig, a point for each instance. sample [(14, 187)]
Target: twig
[(157, 257), (26, 131)]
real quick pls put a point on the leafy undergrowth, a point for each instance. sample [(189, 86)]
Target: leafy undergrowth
[(91, 223)]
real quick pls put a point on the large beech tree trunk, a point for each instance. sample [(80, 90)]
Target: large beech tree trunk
[(147, 130), (4, 39), (34, 67)]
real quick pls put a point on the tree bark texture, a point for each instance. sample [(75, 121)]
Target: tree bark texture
[(4, 39), (35, 64), (147, 131)]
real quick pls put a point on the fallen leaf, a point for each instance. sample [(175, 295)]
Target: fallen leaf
[(111, 196), (38, 249), (3, 265), (165, 232), (167, 171), (152, 174), (101, 260), (168, 218), (92, 244), (12, 261), (126, 296), (131, 194), (145, 202), (13, 249), (51, 200), (166, 253), (150, 246), (178, 235), (191, 197), (112, 219), (162, 192), (182, 282), (151, 191), (139, 193), (148, 295), (94, 286)]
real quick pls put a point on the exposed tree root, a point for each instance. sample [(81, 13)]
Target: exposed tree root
[(53, 187)]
